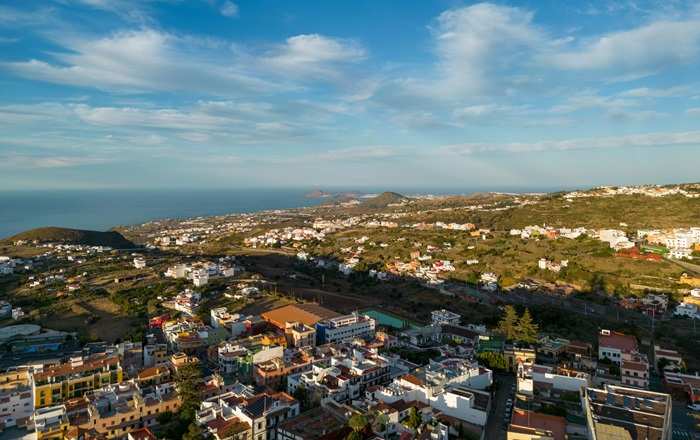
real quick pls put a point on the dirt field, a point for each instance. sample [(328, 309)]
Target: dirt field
[(109, 324)]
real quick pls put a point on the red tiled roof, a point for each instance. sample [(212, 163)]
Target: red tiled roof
[(619, 341), (412, 379), (528, 419)]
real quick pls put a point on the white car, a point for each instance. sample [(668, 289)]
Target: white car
[(694, 407)]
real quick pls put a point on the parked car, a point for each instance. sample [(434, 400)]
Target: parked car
[(694, 407)]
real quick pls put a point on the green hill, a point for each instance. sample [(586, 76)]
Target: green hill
[(383, 200), (74, 236)]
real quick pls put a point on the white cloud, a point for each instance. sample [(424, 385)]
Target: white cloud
[(647, 92), (19, 160), (229, 9), (690, 138), (145, 60), (475, 42), (357, 153), (313, 54), (641, 51), (693, 111)]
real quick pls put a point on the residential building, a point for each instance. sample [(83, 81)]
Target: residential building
[(200, 276), (345, 328), (308, 314), (50, 423), (315, 423), (139, 262), (154, 354), (634, 369), (272, 372), (115, 410), (177, 271), (445, 317), (341, 378), (240, 415), (53, 385), (612, 345), (548, 381), (530, 425), (629, 413), (688, 310), (16, 402), (671, 358), (463, 404), (300, 335)]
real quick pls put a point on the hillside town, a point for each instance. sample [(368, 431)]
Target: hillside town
[(338, 321)]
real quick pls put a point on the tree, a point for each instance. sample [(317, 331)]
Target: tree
[(414, 419), (354, 435), (188, 379), (526, 329), (495, 361), (508, 324), (381, 421), (357, 422), (302, 396), (194, 432)]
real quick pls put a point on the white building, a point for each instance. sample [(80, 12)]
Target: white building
[(16, 405), (200, 277), (177, 271), (139, 262), (445, 317), (687, 309), (679, 253), (345, 328), (462, 403)]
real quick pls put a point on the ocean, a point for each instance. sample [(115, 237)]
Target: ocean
[(104, 209)]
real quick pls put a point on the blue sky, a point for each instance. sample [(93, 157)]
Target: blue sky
[(362, 93)]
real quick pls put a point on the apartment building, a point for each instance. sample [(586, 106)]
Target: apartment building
[(345, 328), (16, 402), (621, 412), (55, 384), (243, 416), (271, 373), (115, 410), (299, 335), (612, 345), (341, 378), (50, 423), (634, 369)]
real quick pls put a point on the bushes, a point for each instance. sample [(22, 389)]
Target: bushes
[(495, 361)]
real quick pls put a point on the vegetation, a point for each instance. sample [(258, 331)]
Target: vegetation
[(521, 329), (493, 360), (188, 380), (414, 419), (383, 200), (74, 236)]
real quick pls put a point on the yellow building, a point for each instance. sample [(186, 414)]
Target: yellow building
[(13, 379), (691, 281), (114, 411), (73, 379), (51, 423), (516, 355)]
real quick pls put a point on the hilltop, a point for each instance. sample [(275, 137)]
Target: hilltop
[(74, 236), (383, 200)]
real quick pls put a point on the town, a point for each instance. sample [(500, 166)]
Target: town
[(337, 321)]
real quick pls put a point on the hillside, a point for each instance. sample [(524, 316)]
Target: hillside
[(595, 212), (74, 236), (383, 200)]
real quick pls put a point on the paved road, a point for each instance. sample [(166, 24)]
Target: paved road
[(495, 429)]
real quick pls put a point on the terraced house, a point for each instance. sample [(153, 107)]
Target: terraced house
[(113, 411), (55, 384)]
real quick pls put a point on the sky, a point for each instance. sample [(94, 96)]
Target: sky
[(361, 93)]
